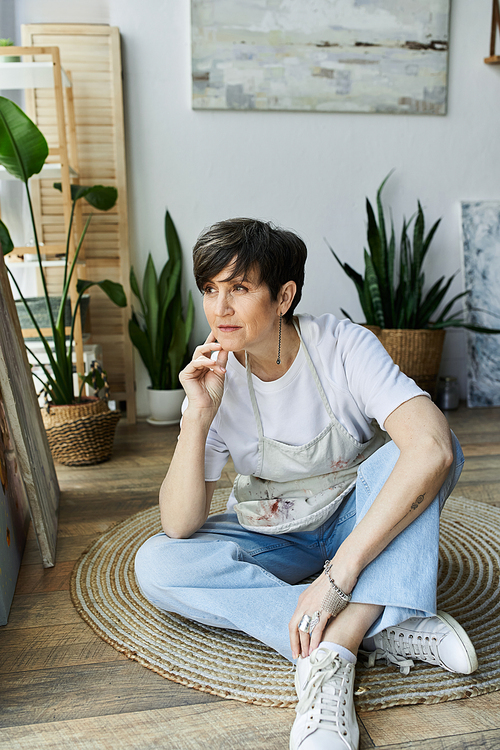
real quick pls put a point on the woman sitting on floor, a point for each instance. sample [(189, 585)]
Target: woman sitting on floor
[(344, 465)]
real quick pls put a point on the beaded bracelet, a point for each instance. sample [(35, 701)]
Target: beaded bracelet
[(334, 600)]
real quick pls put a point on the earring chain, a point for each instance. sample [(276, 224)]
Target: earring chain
[(278, 361)]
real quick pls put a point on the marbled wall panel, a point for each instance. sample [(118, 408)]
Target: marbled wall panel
[(481, 246)]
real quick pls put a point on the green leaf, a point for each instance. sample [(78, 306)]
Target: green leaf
[(102, 197), (94, 379), (418, 239), (50, 384), (189, 318), (77, 191), (63, 370), (5, 239), (374, 290), (134, 285), (450, 304), (176, 352), (179, 344), (380, 209), (353, 275), (172, 240), (433, 299), (391, 254), (169, 285), (346, 314), (476, 329), (375, 243), (151, 301), (367, 306), (44, 341), (429, 237), (23, 148), (143, 345), (112, 289)]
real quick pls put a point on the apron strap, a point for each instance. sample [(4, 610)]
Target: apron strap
[(253, 399), (314, 373)]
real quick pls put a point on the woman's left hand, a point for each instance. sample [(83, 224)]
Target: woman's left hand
[(309, 602)]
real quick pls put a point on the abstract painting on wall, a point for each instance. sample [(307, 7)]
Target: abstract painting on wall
[(481, 246), (321, 55)]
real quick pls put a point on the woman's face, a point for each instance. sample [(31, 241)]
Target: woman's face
[(240, 312)]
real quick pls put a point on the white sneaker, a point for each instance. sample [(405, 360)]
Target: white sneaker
[(436, 640), (326, 719)]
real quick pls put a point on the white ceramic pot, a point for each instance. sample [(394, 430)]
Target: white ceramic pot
[(165, 406)]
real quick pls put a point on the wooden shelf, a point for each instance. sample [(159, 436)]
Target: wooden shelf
[(495, 60), (17, 256), (48, 172), (32, 75), (29, 75)]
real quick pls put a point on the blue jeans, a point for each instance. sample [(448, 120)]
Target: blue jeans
[(228, 577)]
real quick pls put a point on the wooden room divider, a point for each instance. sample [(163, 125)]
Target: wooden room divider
[(91, 55)]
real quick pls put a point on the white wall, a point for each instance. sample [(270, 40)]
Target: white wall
[(308, 172)]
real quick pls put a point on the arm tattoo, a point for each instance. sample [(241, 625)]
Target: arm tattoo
[(413, 506)]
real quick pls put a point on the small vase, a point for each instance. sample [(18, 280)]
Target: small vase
[(165, 406)]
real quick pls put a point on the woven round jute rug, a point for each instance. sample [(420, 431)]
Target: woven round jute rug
[(233, 665)]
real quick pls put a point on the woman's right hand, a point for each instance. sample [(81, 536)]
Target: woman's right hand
[(203, 378)]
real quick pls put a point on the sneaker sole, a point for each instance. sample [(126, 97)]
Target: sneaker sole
[(464, 638)]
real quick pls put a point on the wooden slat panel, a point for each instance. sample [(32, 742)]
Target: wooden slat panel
[(92, 55)]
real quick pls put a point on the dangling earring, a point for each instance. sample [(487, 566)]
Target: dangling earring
[(278, 361)]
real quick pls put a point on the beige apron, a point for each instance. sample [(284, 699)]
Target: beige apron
[(299, 487)]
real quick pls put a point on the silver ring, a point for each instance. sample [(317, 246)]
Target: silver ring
[(315, 619), (305, 623)]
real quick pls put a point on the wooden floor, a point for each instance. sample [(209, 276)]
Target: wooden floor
[(62, 687)]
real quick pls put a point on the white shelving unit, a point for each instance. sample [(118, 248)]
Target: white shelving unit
[(29, 75), (49, 172)]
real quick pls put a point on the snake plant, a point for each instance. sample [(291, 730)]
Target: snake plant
[(160, 331), (23, 151), (399, 300)]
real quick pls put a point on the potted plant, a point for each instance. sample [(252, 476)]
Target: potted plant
[(80, 430), (161, 332), (409, 321)]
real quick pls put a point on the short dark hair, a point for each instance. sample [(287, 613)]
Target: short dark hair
[(277, 254)]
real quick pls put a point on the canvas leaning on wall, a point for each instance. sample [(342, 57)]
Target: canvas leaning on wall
[(481, 247), (323, 56)]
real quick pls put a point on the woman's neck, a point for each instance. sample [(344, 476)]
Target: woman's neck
[(263, 363)]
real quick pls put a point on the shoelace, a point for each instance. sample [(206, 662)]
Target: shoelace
[(398, 661), (324, 686), (402, 648)]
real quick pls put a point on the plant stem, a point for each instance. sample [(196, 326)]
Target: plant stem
[(67, 281), (54, 387), (39, 256), (33, 319), (70, 345), (68, 238)]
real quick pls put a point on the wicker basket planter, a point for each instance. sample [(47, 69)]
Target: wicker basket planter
[(81, 434), (417, 352)]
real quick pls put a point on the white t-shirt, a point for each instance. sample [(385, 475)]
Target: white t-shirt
[(359, 378)]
